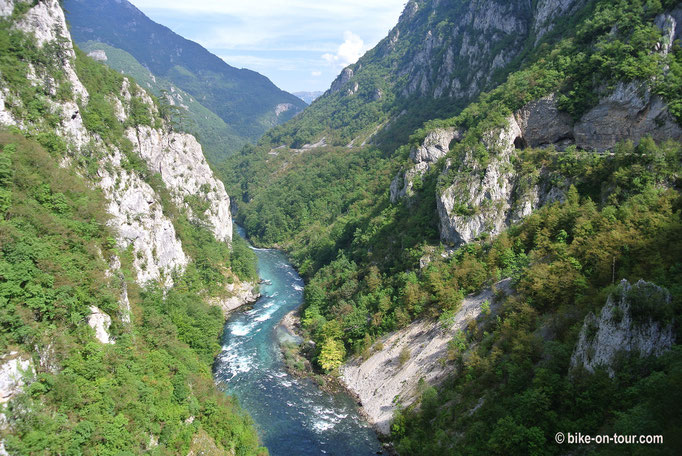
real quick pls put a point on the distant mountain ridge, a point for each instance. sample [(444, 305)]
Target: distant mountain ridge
[(246, 101), (309, 97)]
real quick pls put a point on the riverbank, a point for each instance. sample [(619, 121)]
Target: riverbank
[(402, 364), (238, 295), (297, 358), (297, 352), (293, 415)]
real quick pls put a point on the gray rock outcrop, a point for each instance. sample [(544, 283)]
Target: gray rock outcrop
[(46, 22), (615, 331), (179, 159), (435, 146), (488, 199), (138, 219), (99, 55), (670, 24), (14, 370), (100, 323), (473, 41), (549, 10), (341, 80), (630, 112), (238, 294), (137, 215), (542, 124)]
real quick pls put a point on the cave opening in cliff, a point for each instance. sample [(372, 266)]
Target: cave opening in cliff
[(520, 143)]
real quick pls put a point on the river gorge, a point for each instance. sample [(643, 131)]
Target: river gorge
[(293, 416)]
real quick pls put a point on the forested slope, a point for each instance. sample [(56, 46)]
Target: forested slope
[(563, 174), (107, 260)]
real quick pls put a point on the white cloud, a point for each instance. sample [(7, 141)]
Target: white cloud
[(252, 34), (348, 52)]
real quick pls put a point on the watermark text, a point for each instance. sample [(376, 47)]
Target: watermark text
[(573, 438)]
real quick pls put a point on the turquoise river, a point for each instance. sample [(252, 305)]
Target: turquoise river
[(293, 416)]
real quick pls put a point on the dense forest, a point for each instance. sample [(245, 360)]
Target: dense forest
[(601, 226), (329, 207), (152, 390)]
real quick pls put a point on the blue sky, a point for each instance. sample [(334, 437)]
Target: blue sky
[(301, 45)]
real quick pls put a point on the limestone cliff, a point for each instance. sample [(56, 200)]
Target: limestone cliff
[(180, 161), (136, 209), (15, 370), (138, 216), (438, 58), (626, 324), (435, 146), (487, 199), (238, 294), (486, 196), (100, 323)]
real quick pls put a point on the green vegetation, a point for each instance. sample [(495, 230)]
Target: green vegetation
[(228, 106), (209, 270), (152, 390), (106, 399), (29, 101), (520, 356), (215, 135), (584, 56), (329, 207)]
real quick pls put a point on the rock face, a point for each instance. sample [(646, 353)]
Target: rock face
[(479, 28), (98, 55), (549, 10), (341, 80), (380, 379), (283, 107), (239, 294), (180, 161), (473, 39), (435, 146), (488, 199), (615, 331), (542, 124), (630, 112), (671, 25), (6, 7), (13, 370), (137, 213), (139, 221), (100, 322), (46, 22)]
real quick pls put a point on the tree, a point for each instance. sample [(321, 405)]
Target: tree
[(332, 354)]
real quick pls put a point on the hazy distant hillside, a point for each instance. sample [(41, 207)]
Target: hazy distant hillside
[(245, 100), (308, 97)]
